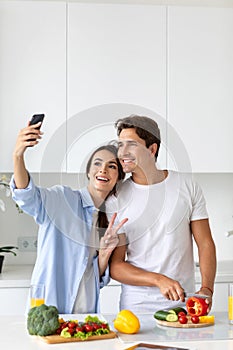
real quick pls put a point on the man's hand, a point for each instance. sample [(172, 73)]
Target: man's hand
[(170, 288), (206, 291)]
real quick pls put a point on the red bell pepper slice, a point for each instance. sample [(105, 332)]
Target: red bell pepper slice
[(196, 306)]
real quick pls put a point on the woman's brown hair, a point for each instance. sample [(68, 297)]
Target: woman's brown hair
[(102, 221)]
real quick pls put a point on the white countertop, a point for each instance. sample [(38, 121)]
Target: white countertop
[(18, 276), (14, 335)]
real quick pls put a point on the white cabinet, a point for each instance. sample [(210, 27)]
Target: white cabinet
[(110, 298), (13, 301), (220, 297), (33, 79), (116, 67), (200, 85)]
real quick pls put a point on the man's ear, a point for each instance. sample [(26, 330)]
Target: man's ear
[(153, 148)]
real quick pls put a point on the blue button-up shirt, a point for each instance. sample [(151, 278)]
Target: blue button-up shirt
[(64, 217)]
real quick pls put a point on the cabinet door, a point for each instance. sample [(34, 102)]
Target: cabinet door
[(116, 67), (200, 85), (109, 299), (220, 297), (13, 301), (32, 79)]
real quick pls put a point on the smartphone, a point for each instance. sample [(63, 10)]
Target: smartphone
[(36, 118), (144, 346)]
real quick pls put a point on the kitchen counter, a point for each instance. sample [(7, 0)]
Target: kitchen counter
[(16, 276), (14, 335)]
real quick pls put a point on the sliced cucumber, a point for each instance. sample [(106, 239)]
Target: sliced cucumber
[(176, 310), (166, 316)]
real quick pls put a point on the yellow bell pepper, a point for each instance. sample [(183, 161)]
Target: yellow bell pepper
[(206, 319), (126, 322)]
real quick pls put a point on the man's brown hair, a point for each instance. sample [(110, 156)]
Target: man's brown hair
[(146, 128)]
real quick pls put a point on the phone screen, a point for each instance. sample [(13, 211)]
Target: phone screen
[(36, 118)]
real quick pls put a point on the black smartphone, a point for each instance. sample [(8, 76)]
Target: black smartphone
[(36, 118)]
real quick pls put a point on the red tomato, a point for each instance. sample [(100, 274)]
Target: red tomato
[(72, 324), (58, 331), (195, 319), (104, 325), (196, 306), (181, 313), (88, 327), (64, 325), (79, 329), (183, 319), (96, 326), (71, 331)]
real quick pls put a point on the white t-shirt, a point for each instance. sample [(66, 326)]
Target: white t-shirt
[(158, 234)]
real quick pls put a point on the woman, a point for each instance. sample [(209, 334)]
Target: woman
[(72, 262)]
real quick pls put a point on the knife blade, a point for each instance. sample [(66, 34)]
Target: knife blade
[(202, 296)]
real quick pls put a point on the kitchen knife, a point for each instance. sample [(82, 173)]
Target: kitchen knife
[(202, 296)]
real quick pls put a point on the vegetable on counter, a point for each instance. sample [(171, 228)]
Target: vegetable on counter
[(43, 320), (196, 306), (92, 325), (164, 315), (178, 310), (207, 319), (126, 322)]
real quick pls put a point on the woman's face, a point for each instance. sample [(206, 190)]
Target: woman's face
[(103, 173)]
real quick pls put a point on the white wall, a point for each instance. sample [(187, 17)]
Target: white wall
[(218, 190)]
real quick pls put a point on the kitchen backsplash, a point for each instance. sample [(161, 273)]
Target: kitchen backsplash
[(217, 188)]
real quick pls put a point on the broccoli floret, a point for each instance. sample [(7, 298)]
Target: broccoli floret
[(43, 320)]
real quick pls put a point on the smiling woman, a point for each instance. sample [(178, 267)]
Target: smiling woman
[(73, 227)]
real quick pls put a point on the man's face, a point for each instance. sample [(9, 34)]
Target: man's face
[(132, 151)]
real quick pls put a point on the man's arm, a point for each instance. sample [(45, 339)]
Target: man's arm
[(127, 273), (207, 256)]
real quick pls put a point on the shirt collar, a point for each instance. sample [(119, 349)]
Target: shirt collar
[(86, 198)]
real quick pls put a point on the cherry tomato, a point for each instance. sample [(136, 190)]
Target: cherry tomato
[(181, 313), (64, 325), (96, 326), (104, 325), (79, 329), (71, 331), (196, 306), (72, 324), (195, 319), (58, 331), (88, 327), (183, 319)]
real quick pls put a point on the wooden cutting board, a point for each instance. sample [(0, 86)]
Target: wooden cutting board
[(177, 324), (56, 339)]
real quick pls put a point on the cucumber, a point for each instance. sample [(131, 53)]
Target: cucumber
[(166, 316), (176, 310)]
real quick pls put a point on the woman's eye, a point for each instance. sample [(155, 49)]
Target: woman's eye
[(97, 163), (113, 166)]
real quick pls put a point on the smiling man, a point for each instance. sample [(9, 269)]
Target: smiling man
[(166, 211)]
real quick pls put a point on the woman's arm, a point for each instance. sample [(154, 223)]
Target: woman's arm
[(24, 140)]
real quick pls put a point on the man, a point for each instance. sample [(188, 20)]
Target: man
[(166, 211)]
